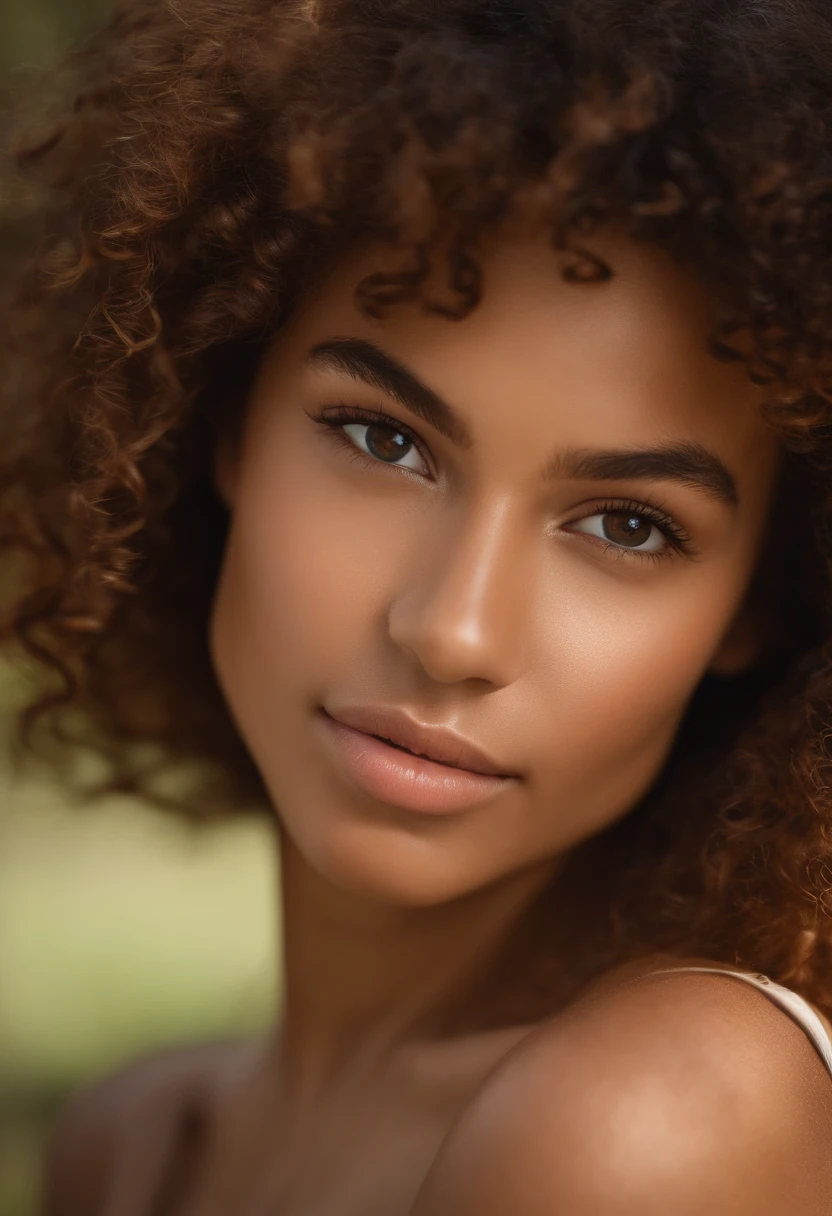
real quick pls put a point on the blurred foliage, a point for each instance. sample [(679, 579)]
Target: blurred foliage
[(34, 32), (120, 929)]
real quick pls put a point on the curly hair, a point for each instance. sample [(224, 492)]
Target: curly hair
[(205, 161)]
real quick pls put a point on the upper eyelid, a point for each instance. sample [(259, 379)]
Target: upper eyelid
[(680, 542), (383, 418), (363, 414), (651, 511), (341, 414)]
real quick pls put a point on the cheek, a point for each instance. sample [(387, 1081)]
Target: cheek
[(304, 576), (624, 660)]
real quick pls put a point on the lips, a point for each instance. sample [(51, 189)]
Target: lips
[(375, 767), (437, 743)]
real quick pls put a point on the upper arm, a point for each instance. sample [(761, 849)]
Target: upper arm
[(676, 1095)]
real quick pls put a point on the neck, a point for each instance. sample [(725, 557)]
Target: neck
[(361, 977)]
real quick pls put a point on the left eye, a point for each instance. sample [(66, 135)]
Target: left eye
[(385, 443), (626, 529)]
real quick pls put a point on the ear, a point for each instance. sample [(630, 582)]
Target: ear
[(743, 643), (224, 469)]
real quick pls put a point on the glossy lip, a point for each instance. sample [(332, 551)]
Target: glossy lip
[(389, 774), (436, 743)]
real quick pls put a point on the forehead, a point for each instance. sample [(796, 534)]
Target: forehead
[(625, 360)]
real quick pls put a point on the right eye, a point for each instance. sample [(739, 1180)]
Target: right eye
[(376, 437)]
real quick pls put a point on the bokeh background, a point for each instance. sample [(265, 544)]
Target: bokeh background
[(121, 929)]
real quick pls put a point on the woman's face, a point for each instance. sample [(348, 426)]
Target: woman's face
[(543, 549)]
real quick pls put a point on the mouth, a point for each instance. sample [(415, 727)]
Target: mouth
[(390, 772), (429, 741), (423, 756)]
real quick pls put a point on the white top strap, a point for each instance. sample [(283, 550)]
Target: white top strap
[(795, 1006)]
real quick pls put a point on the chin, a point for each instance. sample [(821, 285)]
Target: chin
[(388, 864)]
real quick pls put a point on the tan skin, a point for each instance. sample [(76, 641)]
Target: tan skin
[(457, 580)]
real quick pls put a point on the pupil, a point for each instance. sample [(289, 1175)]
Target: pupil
[(625, 529), (385, 443)]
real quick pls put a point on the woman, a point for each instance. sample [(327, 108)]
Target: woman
[(419, 418)]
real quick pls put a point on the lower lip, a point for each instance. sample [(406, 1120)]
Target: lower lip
[(398, 777)]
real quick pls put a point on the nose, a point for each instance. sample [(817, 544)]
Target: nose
[(466, 613)]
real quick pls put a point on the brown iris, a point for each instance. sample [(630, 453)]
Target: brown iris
[(385, 443), (624, 528)]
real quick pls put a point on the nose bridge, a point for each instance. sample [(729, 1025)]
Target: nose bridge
[(461, 615)]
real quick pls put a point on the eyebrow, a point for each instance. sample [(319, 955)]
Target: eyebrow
[(687, 463)]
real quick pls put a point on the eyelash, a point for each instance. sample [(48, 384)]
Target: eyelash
[(336, 417), (679, 540)]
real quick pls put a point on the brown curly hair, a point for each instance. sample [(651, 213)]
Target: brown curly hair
[(212, 160)]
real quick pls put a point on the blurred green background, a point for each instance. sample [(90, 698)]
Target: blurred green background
[(34, 32), (121, 929)]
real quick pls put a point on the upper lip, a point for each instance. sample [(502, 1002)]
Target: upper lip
[(423, 739)]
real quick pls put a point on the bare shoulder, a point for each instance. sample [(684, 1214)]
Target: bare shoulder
[(118, 1130), (683, 1093)]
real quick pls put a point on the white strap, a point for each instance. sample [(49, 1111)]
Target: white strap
[(795, 1006)]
